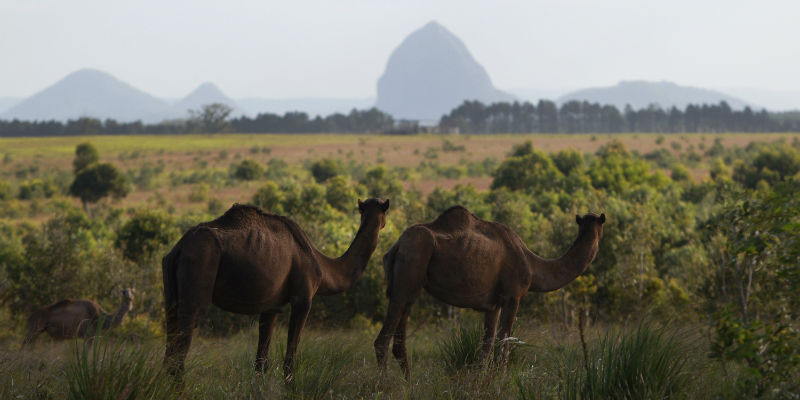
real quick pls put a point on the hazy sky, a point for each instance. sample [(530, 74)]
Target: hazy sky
[(340, 48)]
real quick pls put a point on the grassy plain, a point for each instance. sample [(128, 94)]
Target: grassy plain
[(341, 364), (184, 152)]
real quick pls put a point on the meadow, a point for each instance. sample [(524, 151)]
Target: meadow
[(694, 292)]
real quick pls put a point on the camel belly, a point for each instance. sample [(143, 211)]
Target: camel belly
[(246, 287)]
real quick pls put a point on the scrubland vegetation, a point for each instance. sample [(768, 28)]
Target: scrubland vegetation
[(695, 292)]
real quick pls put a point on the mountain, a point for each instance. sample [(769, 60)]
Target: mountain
[(206, 93), (430, 73), (8, 102), (311, 105), (640, 94), (87, 93)]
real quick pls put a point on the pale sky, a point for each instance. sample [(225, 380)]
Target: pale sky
[(279, 49)]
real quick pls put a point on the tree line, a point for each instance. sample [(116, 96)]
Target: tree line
[(470, 117), (585, 117)]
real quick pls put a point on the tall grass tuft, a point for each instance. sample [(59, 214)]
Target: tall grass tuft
[(101, 370), (320, 365), (461, 347), (646, 363)]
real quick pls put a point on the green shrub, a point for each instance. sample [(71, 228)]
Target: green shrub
[(143, 234), (269, 198), (248, 170), (199, 193), (324, 169)]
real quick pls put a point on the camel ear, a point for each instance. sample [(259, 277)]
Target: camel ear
[(602, 218), (385, 205), (578, 219), (360, 206)]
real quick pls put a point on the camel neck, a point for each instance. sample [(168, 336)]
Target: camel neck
[(340, 274), (552, 274), (115, 320)]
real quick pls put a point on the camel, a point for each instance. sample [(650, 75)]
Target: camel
[(251, 262), (68, 318), (467, 262)]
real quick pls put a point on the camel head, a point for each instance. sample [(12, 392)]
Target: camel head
[(127, 294), (376, 207), (590, 222)]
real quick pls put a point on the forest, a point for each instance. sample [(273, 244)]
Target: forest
[(698, 266)]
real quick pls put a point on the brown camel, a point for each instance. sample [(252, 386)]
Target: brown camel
[(67, 319), (467, 262), (250, 262)]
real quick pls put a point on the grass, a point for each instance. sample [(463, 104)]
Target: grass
[(461, 347), (106, 370), (642, 362), (648, 362)]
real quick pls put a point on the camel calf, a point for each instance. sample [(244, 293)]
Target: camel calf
[(67, 319)]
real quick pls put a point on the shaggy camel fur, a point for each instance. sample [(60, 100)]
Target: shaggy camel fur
[(250, 262), (67, 319), (467, 262)]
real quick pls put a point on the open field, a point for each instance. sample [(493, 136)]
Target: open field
[(396, 150), (183, 152)]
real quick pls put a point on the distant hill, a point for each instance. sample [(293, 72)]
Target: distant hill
[(430, 73), (8, 102), (91, 93), (206, 93), (640, 94)]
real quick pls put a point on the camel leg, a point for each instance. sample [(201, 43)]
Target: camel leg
[(394, 314), (399, 346), (506, 322), (179, 341), (297, 319), (265, 324), (489, 331), (31, 335)]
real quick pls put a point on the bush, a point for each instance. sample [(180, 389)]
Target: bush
[(146, 232), (5, 191), (199, 193), (269, 197), (680, 173), (324, 169), (248, 170)]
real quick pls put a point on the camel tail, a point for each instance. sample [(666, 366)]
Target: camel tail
[(388, 268)]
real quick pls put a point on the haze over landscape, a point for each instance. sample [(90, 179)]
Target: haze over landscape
[(258, 57)]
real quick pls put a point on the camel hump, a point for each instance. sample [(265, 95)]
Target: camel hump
[(453, 219), (62, 303), (244, 216)]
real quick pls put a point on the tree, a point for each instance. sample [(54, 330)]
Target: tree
[(97, 181), (85, 155), (211, 118)]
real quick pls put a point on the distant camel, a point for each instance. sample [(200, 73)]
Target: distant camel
[(467, 262), (67, 319), (250, 262)]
